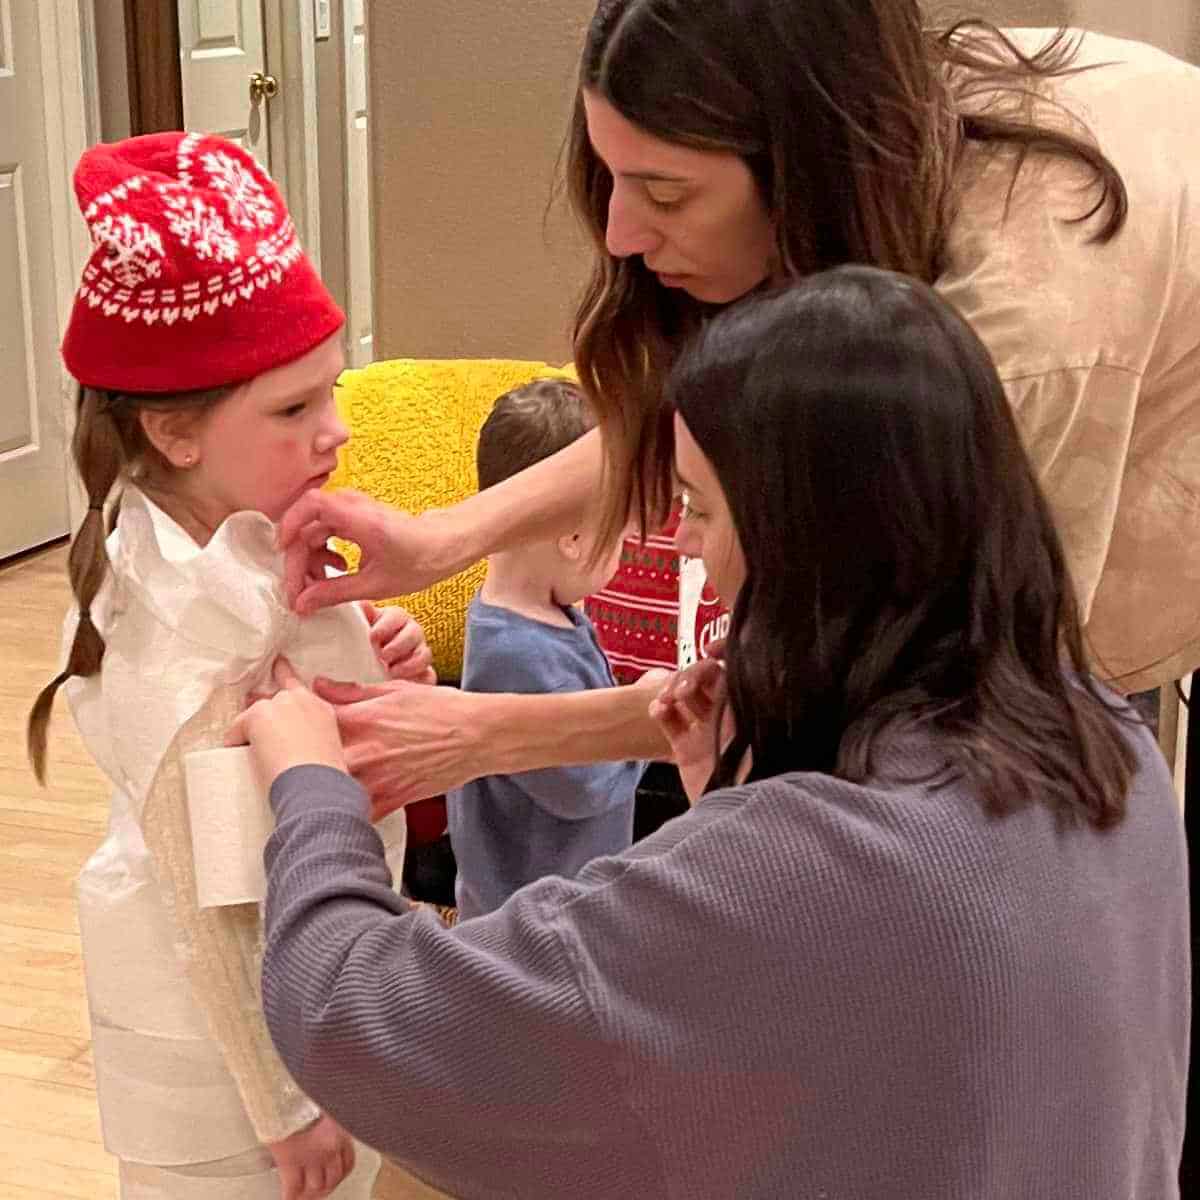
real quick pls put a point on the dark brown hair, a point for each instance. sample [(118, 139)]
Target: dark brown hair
[(903, 572), (851, 117), (108, 445), (528, 424)]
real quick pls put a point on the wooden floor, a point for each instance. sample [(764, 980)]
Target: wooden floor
[(49, 1128)]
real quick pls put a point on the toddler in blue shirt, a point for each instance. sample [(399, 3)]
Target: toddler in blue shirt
[(524, 634)]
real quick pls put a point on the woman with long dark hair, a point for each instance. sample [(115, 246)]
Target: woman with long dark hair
[(924, 931), (1039, 180)]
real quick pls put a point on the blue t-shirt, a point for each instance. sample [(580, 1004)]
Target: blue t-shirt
[(508, 830)]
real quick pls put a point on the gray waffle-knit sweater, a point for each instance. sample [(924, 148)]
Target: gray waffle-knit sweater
[(801, 988)]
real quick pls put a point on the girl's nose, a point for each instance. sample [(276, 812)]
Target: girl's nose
[(333, 432)]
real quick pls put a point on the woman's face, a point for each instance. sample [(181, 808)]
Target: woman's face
[(706, 528), (696, 217)]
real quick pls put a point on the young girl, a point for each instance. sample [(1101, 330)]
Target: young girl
[(206, 349)]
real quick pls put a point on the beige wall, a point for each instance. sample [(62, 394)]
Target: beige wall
[(1172, 24), (468, 113), (1032, 13), (467, 117)]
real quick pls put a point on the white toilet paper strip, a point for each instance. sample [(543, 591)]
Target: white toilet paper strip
[(249, 1176), (231, 821), (167, 1100)]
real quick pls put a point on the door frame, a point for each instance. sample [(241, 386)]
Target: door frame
[(291, 52), (64, 105)]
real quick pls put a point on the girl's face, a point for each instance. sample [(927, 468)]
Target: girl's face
[(706, 529), (273, 439), (696, 217)]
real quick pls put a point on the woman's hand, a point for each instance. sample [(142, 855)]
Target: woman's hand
[(686, 710), (399, 644), (399, 553), (293, 728), (403, 742), (313, 1161)]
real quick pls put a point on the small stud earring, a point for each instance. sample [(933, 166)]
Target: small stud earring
[(188, 459)]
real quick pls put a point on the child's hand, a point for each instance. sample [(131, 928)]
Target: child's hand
[(399, 643), (686, 711), (293, 728), (312, 1162)]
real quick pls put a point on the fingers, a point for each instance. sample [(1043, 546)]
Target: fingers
[(313, 595), (671, 720), (334, 1174), (301, 514), (316, 1181), (285, 675), (339, 692), (384, 807), (695, 692), (400, 645), (238, 734), (369, 611), (406, 656), (291, 1183), (390, 623), (319, 560)]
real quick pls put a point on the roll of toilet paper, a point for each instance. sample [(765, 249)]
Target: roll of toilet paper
[(231, 820)]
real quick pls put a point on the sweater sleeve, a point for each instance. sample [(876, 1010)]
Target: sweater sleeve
[(470, 1054), (220, 950)]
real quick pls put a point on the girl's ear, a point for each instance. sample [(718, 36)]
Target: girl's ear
[(173, 434), (571, 547)]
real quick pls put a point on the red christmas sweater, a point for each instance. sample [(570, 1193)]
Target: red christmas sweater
[(658, 610)]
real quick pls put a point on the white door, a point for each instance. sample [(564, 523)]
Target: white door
[(359, 289), (33, 437), (221, 45)]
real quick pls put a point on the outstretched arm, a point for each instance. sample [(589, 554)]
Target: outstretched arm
[(405, 742), (403, 554)]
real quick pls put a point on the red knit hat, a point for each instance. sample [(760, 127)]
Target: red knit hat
[(197, 278)]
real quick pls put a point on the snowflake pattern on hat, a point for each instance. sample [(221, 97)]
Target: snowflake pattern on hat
[(199, 226), (133, 251), (136, 251), (249, 205)]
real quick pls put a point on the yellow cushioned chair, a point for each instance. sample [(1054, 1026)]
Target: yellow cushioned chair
[(413, 428)]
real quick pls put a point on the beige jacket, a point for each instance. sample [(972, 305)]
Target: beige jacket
[(1099, 347)]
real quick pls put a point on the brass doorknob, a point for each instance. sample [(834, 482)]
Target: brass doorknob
[(263, 87)]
